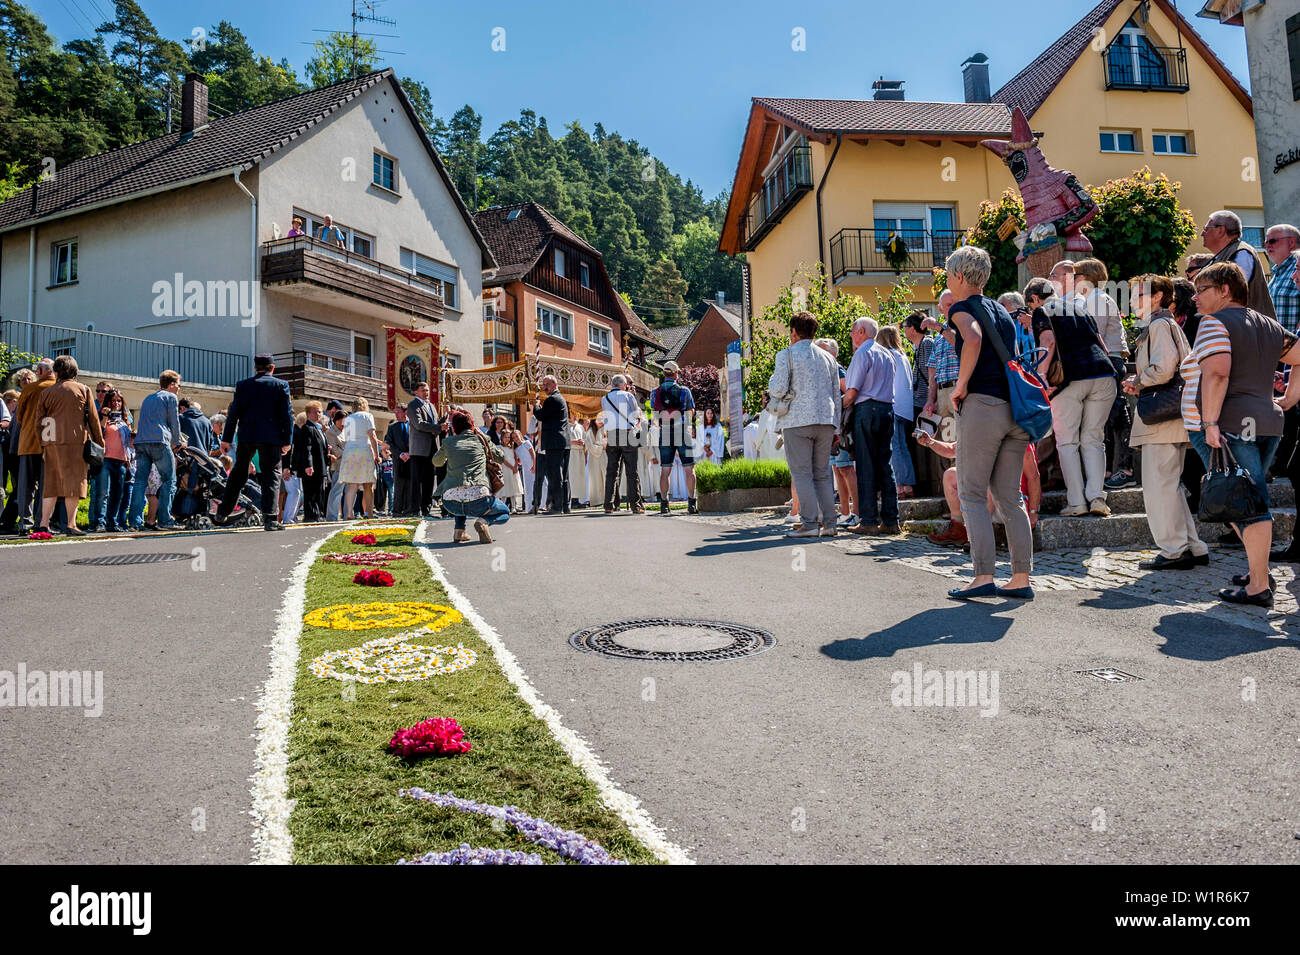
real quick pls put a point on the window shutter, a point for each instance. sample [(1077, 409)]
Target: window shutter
[(321, 339), (1293, 51)]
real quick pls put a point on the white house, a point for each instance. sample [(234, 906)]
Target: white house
[(183, 240)]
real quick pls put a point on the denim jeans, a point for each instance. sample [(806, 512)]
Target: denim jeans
[(110, 505), (160, 456), (334, 502), (873, 438), (1255, 456), (123, 518), (491, 509), (97, 508), (901, 458), (292, 498)]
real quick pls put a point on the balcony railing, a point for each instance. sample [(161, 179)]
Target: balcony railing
[(780, 191), (1158, 68), (863, 251), (318, 375), (495, 330), (302, 260), (109, 355)]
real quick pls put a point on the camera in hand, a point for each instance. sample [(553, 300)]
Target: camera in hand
[(926, 425)]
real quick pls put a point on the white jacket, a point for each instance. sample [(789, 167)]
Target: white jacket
[(812, 378)]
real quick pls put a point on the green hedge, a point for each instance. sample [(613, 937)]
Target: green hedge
[(740, 473)]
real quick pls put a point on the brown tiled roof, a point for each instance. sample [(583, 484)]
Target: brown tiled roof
[(238, 141), (518, 243), (883, 117), (675, 339), (1030, 88)]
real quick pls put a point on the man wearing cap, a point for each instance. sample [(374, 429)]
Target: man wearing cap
[(670, 402), (261, 418)]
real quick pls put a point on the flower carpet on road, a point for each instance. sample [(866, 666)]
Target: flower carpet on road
[(369, 558), (344, 783), (373, 578)]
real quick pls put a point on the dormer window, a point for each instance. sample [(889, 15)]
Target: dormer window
[(1133, 62), (584, 274), (559, 263)]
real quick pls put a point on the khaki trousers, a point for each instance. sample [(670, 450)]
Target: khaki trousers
[(990, 457), (1172, 525)]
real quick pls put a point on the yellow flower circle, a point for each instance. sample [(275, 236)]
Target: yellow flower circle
[(390, 660), (375, 616)]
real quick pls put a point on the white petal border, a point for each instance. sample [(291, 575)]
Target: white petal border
[(272, 843), (627, 806)]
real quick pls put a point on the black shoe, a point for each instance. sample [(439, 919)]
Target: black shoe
[(663, 506), (1201, 560), (273, 526), (1238, 595), (1241, 580), (219, 519), (1184, 561), (1287, 555), (1118, 480), (692, 507)]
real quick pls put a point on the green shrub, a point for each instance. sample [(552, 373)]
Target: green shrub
[(740, 473)]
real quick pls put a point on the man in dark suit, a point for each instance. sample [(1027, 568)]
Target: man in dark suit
[(310, 463), (553, 412), (398, 439), (423, 420), (260, 419)]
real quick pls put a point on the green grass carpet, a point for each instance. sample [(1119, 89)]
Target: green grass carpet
[(346, 783)]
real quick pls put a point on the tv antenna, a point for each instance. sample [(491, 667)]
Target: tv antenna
[(364, 12)]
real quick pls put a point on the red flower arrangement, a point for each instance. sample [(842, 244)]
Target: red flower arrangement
[(364, 539), (373, 578), (40, 536), (368, 558), (440, 736)]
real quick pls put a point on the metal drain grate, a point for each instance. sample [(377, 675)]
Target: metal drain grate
[(736, 640), (1109, 675), (117, 560)]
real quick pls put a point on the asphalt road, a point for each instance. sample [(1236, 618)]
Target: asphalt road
[(161, 776), (798, 754)]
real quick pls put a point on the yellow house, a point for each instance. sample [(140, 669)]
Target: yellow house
[(1130, 85)]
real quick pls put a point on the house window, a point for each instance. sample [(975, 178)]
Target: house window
[(923, 227), (63, 262), (445, 277), (63, 346), (358, 242), (553, 322), (598, 338), (584, 274), (1134, 61), (559, 263), (363, 355), (1119, 141), (363, 244), (450, 360), (385, 171), (1252, 226), (1171, 143)]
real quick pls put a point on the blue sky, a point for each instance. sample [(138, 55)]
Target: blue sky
[(675, 75)]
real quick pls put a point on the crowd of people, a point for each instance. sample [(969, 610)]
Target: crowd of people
[(1204, 372)]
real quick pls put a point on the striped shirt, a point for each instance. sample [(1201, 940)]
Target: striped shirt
[(944, 361), (1211, 339)]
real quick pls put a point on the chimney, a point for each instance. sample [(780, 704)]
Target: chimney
[(194, 104), (721, 299), (975, 77), (887, 89)]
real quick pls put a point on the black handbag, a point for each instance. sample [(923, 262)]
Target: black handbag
[(1229, 495), (92, 453), (1160, 403)]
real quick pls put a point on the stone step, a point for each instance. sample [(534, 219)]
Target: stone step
[(1116, 531), (1128, 500)]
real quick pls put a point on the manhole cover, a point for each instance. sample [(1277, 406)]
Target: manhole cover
[(674, 641), (116, 560), (1109, 675)]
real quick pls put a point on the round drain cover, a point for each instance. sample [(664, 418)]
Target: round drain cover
[(117, 560), (672, 640)]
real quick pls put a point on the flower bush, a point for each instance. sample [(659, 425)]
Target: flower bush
[(992, 215), (440, 736), (1140, 226), (569, 845), (373, 578), (40, 536)]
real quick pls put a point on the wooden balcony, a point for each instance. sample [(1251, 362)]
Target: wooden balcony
[(643, 380), (312, 269), (311, 375)]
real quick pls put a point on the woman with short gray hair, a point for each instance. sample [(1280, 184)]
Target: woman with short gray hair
[(990, 445)]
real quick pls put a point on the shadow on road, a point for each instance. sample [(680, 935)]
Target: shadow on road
[(961, 623), (740, 540), (1188, 638)]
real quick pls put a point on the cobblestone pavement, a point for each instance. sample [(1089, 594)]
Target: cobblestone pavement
[(1076, 569)]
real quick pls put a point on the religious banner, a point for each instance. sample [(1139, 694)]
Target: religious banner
[(413, 357), (507, 384), (582, 383)]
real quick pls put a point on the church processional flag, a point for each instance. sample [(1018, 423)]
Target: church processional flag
[(413, 357)]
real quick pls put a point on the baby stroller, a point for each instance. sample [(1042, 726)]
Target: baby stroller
[(200, 484)]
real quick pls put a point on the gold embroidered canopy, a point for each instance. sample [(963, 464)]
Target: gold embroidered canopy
[(518, 381)]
